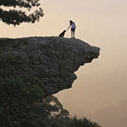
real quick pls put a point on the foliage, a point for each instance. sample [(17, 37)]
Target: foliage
[(59, 117), (17, 101), (27, 107), (83, 122), (16, 11)]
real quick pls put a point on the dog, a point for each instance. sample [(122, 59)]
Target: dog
[(62, 34)]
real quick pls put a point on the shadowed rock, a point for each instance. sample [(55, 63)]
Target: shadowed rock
[(48, 62)]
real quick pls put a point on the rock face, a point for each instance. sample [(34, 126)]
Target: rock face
[(48, 62)]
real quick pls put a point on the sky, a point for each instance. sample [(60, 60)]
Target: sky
[(99, 93)]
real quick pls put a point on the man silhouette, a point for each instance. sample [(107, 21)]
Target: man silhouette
[(73, 27)]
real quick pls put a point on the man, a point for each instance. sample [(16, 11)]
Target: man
[(73, 27)]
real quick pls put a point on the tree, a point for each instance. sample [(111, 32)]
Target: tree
[(18, 11), (17, 100), (57, 115), (83, 122)]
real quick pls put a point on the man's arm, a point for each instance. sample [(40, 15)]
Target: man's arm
[(68, 27)]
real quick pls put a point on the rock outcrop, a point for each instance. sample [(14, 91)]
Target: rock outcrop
[(49, 62)]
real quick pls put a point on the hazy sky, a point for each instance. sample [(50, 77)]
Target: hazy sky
[(99, 93)]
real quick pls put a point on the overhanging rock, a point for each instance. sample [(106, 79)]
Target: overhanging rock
[(48, 62)]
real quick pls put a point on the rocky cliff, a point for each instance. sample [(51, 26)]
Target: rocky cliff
[(48, 62)]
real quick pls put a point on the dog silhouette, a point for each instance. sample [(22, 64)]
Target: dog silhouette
[(62, 34)]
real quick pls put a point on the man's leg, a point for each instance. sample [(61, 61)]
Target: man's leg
[(71, 34)]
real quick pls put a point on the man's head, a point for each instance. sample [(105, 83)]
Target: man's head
[(71, 21)]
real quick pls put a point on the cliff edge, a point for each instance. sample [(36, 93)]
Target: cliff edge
[(48, 62)]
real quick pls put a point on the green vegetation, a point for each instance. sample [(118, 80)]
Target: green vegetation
[(59, 117), (14, 11), (17, 102), (26, 106)]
